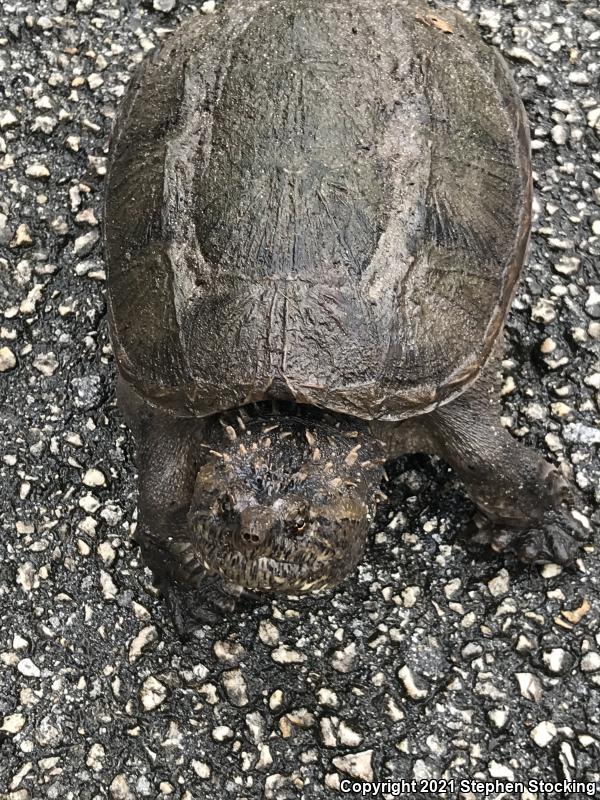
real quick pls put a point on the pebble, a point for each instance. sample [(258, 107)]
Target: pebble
[(164, 5), (590, 662), (500, 771), (46, 363), (119, 788), (107, 585), (579, 433), (85, 244), (256, 726), (94, 478), (499, 585), (529, 686), (7, 119), (522, 54), (94, 81), (152, 694), (95, 757), (268, 633), (7, 359), (412, 690), (208, 7), (27, 576), (343, 660), (559, 134), (490, 18), (39, 171), (144, 638), (498, 717), (286, 655), (28, 668), (580, 78), (13, 723), (561, 409), (327, 698), (87, 391), (452, 587), (228, 651), (236, 688), (567, 265), (551, 570), (348, 736), (543, 733), (221, 733), (22, 236), (358, 765), (593, 118), (202, 769), (106, 552), (543, 311), (410, 596), (556, 660)]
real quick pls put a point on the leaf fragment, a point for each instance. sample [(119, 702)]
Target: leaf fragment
[(433, 21)]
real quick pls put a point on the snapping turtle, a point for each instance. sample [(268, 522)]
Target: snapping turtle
[(316, 216)]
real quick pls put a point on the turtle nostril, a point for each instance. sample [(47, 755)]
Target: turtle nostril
[(252, 538), (255, 526)]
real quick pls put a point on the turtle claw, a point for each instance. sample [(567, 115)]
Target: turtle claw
[(210, 601), (554, 539)]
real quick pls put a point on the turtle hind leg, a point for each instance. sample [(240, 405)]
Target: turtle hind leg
[(524, 504)]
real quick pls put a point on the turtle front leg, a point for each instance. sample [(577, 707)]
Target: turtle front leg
[(167, 453), (524, 504)]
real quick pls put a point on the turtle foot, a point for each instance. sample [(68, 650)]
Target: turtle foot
[(556, 538), (210, 601)]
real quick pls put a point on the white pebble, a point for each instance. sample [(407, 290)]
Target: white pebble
[(235, 686), (579, 77), (285, 655), (40, 171), (46, 363), (222, 732), (498, 716), (358, 765), (7, 359), (530, 686), (559, 134), (7, 118), (543, 733), (152, 693), (13, 723), (555, 660), (590, 662), (145, 637), (93, 477), (412, 690), (499, 585), (109, 589), (28, 668)]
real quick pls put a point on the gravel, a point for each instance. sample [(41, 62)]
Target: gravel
[(430, 662)]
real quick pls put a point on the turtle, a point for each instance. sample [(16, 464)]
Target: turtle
[(315, 220)]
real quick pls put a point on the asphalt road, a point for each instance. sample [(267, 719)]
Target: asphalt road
[(431, 662)]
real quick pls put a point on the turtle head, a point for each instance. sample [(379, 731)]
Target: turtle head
[(284, 503)]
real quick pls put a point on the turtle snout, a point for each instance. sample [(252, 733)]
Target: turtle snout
[(255, 529)]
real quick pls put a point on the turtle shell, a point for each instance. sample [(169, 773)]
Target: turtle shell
[(325, 202)]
